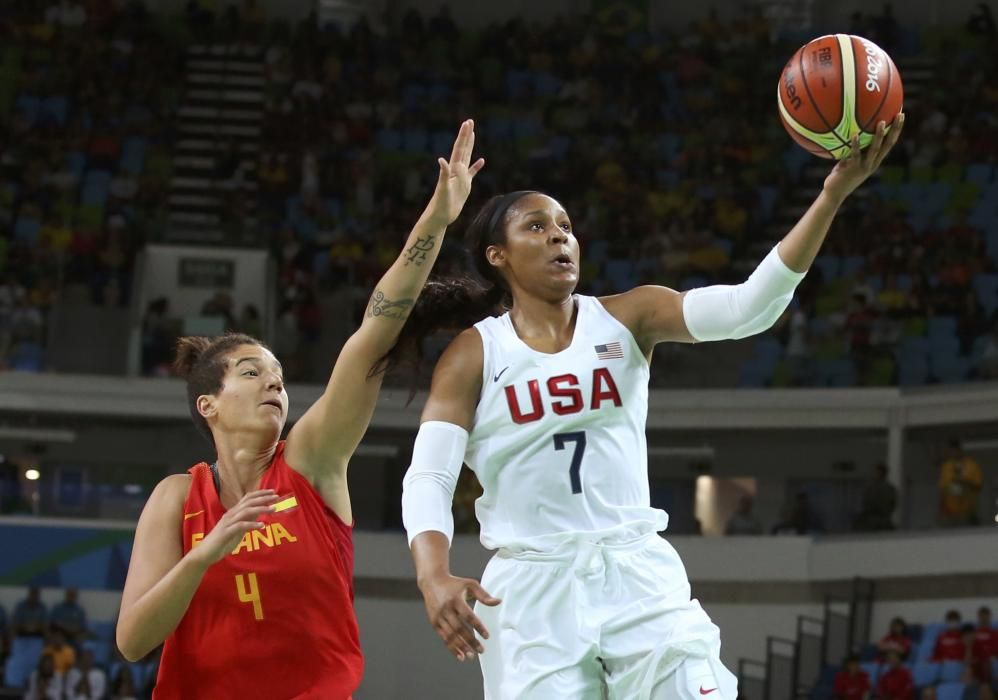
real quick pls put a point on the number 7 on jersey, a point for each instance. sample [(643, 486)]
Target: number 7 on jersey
[(575, 470)]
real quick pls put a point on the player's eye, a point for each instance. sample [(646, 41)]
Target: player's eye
[(251, 373), (537, 226), (566, 227)]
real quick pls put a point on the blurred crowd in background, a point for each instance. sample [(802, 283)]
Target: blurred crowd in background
[(665, 151)]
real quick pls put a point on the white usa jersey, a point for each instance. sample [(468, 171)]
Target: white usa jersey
[(558, 442)]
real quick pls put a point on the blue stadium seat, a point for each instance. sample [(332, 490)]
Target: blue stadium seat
[(24, 654), (133, 155), (28, 106), (26, 229), (851, 265), (101, 651), (27, 356), (54, 107), (415, 140), (621, 274), (546, 84), (868, 653), (930, 633), (986, 290), (925, 673), (102, 629), (950, 671), (95, 188), (942, 327), (979, 173), (389, 139), (77, 162), (441, 143), (872, 669), (829, 266), (950, 691)]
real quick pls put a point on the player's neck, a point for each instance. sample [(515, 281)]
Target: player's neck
[(543, 320), (242, 460)]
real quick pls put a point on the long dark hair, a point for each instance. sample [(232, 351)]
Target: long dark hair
[(460, 301), (201, 361)]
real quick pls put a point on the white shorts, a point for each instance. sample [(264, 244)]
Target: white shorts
[(596, 620)]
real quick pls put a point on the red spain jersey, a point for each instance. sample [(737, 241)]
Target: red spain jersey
[(274, 619)]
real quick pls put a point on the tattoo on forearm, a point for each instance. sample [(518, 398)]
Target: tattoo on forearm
[(380, 306), (416, 253)]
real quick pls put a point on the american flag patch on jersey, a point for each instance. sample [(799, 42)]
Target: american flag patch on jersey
[(610, 351)]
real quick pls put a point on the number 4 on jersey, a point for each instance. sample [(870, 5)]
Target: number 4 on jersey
[(575, 470)]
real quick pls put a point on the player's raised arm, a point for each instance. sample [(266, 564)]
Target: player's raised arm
[(727, 312), (323, 440), (428, 490)]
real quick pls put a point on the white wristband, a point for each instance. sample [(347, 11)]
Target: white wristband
[(728, 312), (428, 486)]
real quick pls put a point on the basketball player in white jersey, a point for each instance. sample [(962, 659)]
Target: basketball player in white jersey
[(547, 404)]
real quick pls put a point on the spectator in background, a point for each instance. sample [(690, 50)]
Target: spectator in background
[(159, 334), (949, 644), (46, 682), (879, 501), (852, 682), (896, 682), (69, 618), (63, 655), (960, 481), (896, 640), (743, 521), (976, 671), (986, 636), (85, 681), (30, 618)]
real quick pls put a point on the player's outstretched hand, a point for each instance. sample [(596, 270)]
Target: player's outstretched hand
[(850, 172), (454, 181), (237, 521), (447, 606)]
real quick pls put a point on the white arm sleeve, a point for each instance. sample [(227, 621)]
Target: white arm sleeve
[(728, 312), (428, 486)]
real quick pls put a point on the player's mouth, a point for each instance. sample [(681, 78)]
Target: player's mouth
[(275, 403), (563, 262)]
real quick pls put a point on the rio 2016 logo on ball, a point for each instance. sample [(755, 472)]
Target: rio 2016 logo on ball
[(835, 87)]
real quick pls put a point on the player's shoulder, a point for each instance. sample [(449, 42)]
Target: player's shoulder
[(466, 348), (170, 494)]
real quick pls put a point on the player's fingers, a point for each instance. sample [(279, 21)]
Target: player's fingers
[(460, 143), (459, 637), (471, 142), (482, 595), (472, 621), (892, 137), (444, 171), (479, 164)]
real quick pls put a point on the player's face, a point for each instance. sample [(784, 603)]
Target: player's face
[(541, 253), (253, 397)]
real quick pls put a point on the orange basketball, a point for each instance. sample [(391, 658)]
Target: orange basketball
[(835, 87)]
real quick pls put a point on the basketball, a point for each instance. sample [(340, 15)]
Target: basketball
[(835, 87)]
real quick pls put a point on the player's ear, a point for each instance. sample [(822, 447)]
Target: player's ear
[(495, 255), (206, 405)]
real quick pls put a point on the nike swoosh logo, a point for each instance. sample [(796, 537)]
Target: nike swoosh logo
[(188, 516), (496, 378), (706, 692)]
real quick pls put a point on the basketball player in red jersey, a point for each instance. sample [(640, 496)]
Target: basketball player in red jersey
[(547, 403), (243, 568)]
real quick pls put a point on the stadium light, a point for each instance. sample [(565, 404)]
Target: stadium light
[(32, 475)]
